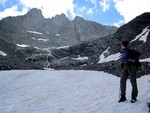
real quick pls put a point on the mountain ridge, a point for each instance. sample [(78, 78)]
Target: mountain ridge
[(88, 55), (59, 30)]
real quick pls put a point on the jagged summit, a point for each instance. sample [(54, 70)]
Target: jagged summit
[(35, 12), (60, 19), (78, 19)]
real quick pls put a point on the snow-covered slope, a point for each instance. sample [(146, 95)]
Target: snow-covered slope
[(68, 92), (142, 36), (112, 57), (2, 53), (145, 60)]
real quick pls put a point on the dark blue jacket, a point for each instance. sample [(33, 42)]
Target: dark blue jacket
[(130, 54), (125, 56)]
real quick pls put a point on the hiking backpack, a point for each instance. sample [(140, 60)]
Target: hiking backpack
[(134, 55)]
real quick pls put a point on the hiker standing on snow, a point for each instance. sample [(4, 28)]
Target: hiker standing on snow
[(129, 69)]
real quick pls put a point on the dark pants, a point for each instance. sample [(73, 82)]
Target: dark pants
[(129, 71)]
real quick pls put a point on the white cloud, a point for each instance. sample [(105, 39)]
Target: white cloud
[(129, 9), (94, 2), (2, 2), (51, 8), (90, 11), (82, 9), (13, 11), (104, 4), (118, 24)]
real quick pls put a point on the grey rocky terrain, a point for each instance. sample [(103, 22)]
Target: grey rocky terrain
[(85, 54)]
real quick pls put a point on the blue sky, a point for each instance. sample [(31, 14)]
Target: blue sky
[(106, 12)]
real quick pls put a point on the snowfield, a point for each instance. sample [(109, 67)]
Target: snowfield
[(47, 91), (3, 54), (112, 57), (142, 36), (35, 32), (22, 45)]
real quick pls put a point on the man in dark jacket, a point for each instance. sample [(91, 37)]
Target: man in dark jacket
[(128, 70)]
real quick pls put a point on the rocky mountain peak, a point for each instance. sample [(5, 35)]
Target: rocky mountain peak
[(33, 19), (35, 13), (78, 19), (60, 19)]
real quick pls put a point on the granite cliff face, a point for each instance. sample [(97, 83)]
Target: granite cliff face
[(34, 30)]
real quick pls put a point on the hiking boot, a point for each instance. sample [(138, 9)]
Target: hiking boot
[(122, 99), (133, 99)]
